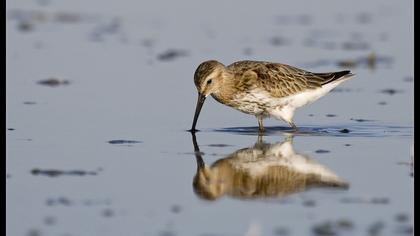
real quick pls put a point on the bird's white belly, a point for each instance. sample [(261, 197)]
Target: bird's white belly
[(260, 102)]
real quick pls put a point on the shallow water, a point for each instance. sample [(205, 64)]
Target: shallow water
[(123, 97)]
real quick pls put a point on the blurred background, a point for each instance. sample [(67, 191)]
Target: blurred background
[(100, 93)]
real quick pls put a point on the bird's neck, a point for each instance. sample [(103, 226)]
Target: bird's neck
[(226, 88)]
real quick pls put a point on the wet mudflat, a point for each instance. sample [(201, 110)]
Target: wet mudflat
[(99, 97)]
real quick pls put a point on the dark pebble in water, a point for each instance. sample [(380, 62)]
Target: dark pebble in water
[(176, 209), (56, 173), (376, 228), (344, 131), (171, 54), (382, 103), (10, 129), (50, 220), (29, 103), (64, 201), (25, 26), (390, 91), (53, 82), (330, 115), (121, 141), (401, 217), (281, 231), (108, 213), (322, 151), (309, 203)]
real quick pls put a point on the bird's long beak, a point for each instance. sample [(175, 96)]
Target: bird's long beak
[(200, 102)]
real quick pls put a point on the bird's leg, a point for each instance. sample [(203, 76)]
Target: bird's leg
[(260, 124), (293, 126)]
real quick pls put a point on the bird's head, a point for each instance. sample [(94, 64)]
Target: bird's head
[(208, 78)]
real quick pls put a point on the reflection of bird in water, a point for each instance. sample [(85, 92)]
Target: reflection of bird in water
[(264, 170)]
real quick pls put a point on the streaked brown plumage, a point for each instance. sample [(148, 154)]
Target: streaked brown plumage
[(262, 88)]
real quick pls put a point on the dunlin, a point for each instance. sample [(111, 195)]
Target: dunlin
[(262, 89)]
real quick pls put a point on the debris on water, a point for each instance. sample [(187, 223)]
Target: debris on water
[(171, 54), (278, 41), (322, 151), (382, 103), (50, 220), (281, 231), (376, 228), (347, 145), (324, 229), (25, 26), (332, 227), (59, 201), (56, 173), (344, 131), (29, 103), (176, 209), (108, 213), (8, 176), (53, 82), (11, 129), (311, 115), (122, 141), (360, 120), (309, 203), (401, 217), (330, 115), (390, 91), (219, 145)]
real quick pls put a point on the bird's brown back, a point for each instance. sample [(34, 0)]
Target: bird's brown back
[(279, 80)]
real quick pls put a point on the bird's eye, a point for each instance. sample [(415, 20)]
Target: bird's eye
[(209, 81)]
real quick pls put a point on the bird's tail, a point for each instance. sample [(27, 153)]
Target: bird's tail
[(334, 76)]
